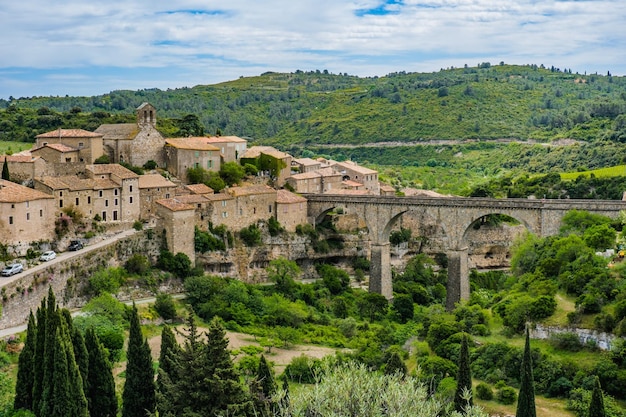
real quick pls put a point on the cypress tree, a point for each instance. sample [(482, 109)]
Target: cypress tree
[(26, 369), (53, 320), (263, 388), (526, 398), (395, 365), (168, 355), (463, 378), (5, 170), (80, 350), (596, 406), (138, 397), (40, 344), (102, 401), (266, 378)]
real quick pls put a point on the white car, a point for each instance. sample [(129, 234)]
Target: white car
[(47, 256), (12, 270)]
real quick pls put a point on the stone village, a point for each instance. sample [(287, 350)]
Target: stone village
[(64, 178)]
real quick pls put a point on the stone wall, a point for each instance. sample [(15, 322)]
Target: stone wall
[(69, 278), (602, 340)]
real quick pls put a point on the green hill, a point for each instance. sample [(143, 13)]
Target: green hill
[(305, 108)]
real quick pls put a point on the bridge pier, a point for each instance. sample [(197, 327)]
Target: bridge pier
[(458, 278), (380, 270)]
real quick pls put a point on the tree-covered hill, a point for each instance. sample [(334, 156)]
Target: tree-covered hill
[(310, 108)]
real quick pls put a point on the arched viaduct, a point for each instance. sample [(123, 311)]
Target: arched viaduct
[(455, 215)]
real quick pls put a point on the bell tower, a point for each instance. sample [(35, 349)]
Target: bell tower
[(146, 115)]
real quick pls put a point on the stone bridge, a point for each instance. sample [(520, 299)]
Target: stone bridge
[(455, 215)]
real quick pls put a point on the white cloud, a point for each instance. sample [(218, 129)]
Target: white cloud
[(210, 41)]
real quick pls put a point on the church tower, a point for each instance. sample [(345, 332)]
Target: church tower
[(146, 115)]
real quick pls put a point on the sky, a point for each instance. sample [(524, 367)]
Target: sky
[(87, 47)]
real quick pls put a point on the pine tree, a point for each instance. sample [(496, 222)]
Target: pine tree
[(100, 385), (463, 378), (266, 378), (138, 397), (263, 388), (25, 371), (222, 376), (395, 365), (596, 406), (5, 170), (526, 398)]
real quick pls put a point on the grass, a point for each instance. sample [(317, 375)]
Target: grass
[(546, 407), (10, 147), (615, 171)]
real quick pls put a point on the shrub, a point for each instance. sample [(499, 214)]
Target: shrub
[(150, 165), (106, 281), (138, 225), (137, 264), (164, 305), (251, 235), (484, 392), (303, 369), (274, 227), (506, 395), (566, 341)]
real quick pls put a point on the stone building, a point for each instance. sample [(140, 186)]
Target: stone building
[(231, 147), (153, 187), (108, 191), (134, 143), (26, 215), (252, 203), (184, 153), (353, 172), (304, 165), (267, 159), (221, 209), (291, 209), (24, 166), (178, 222), (325, 180), (88, 144), (56, 153)]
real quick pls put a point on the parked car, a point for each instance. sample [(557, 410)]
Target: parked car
[(47, 256), (12, 270), (75, 245)]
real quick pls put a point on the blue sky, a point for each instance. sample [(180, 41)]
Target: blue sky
[(84, 47)]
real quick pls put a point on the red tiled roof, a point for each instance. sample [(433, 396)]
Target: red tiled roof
[(199, 189), (192, 143), (11, 192), (287, 197), (115, 169), (250, 190), (174, 204), (69, 133), (154, 181)]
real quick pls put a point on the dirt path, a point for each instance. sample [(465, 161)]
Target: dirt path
[(279, 356)]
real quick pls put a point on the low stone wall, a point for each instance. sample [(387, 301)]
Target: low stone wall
[(68, 278), (602, 340)]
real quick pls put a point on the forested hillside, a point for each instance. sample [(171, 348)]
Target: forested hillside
[(304, 108)]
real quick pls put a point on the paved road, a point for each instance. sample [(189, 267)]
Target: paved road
[(64, 256), (61, 257)]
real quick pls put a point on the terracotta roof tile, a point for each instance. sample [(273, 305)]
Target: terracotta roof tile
[(57, 147), (250, 190), (154, 181), (287, 197), (69, 133), (218, 197), (225, 139), (192, 198), (174, 204), (192, 143), (123, 131), (11, 192), (115, 169), (21, 158), (199, 189)]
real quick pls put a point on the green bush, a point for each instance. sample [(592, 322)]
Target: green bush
[(484, 392), (138, 225), (107, 281), (251, 235), (164, 305), (566, 341), (137, 264), (506, 395), (303, 370)]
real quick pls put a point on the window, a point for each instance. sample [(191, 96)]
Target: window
[(269, 208), (115, 203), (223, 203), (254, 210), (106, 203), (224, 214), (60, 203), (131, 189), (130, 200), (88, 199), (197, 153), (27, 216), (60, 193), (115, 192), (167, 195), (199, 205), (40, 213), (10, 219), (77, 200), (81, 145), (27, 204), (241, 211), (114, 214), (209, 164), (12, 205), (100, 193), (196, 165)]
